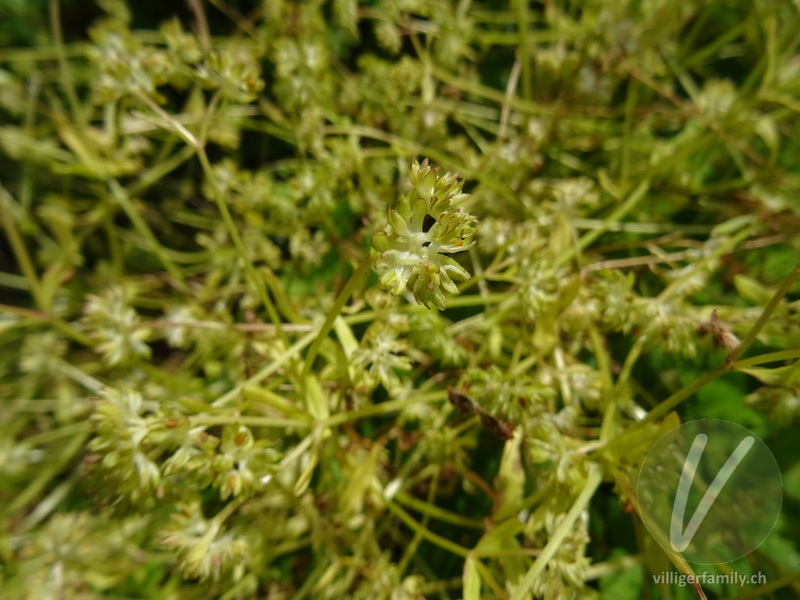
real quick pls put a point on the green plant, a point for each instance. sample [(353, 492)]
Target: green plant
[(255, 344)]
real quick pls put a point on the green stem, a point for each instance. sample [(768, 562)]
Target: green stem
[(160, 169), (255, 281), (381, 408), (28, 169), (457, 302), (70, 332), (477, 300), (563, 530), (623, 209), (341, 299), (782, 290), (114, 247), (670, 403), (81, 378), (766, 358), (170, 121), (427, 534), (45, 474), (121, 197), (294, 350), (723, 249), (44, 52), (255, 421), (20, 251), (766, 590), (598, 570), (431, 510), (63, 64), (522, 25), (630, 109), (16, 282), (228, 510), (52, 435), (411, 549)]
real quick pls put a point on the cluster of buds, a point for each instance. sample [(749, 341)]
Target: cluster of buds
[(426, 225)]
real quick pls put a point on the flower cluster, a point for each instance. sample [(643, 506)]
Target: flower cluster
[(122, 423), (205, 548), (513, 397), (115, 326), (426, 225), (381, 355), (563, 579), (197, 404), (234, 71)]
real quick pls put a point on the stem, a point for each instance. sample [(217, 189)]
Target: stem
[(257, 284), (615, 565), (623, 209), (202, 25), (768, 310), (427, 534), (266, 371), (81, 378), (722, 250), (522, 25), (122, 198), (160, 169), (670, 403), (431, 510), (64, 72), (341, 299), (28, 170), (255, 421), (228, 510), (382, 408), (767, 589), (20, 251), (766, 358), (46, 473), (411, 549), (477, 300), (170, 121), (52, 435), (16, 282), (564, 527)]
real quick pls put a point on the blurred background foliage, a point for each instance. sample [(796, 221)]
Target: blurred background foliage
[(186, 189)]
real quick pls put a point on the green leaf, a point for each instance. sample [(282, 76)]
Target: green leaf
[(301, 485), (472, 579), (346, 337), (511, 476), (625, 584), (501, 537), (751, 290), (768, 131), (783, 376), (359, 481), (568, 292), (724, 399), (315, 398), (193, 405), (273, 400), (791, 481)]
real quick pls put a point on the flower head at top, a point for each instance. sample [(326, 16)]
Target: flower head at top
[(427, 224)]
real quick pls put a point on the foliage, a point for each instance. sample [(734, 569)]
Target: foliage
[(387, 300)]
